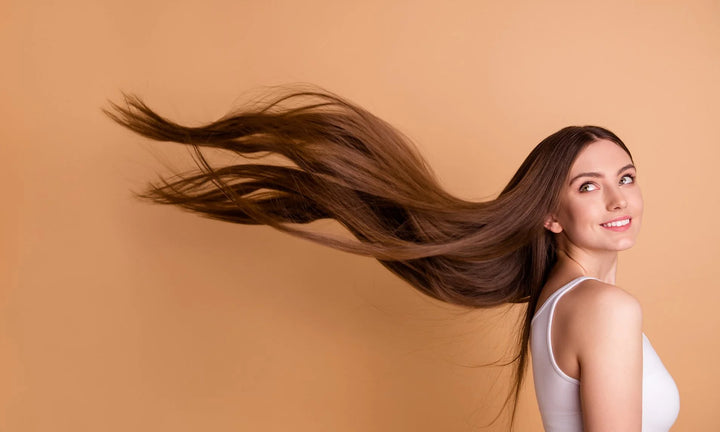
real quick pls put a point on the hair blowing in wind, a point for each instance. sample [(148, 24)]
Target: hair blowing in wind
[(346, 164)]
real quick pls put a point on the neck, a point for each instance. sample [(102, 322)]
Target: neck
[(600, 265)]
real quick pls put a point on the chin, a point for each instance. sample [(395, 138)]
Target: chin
[(625, 245)]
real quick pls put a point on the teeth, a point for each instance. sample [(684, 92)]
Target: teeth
[(617, 223)]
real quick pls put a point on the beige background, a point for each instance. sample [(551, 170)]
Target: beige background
[(116, 315)]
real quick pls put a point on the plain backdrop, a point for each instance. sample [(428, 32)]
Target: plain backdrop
[(116, 315)]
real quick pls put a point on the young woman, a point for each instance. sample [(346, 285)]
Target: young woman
[(594, 369), (550, 239)]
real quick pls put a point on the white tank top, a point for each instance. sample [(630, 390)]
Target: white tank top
[(558, 394)]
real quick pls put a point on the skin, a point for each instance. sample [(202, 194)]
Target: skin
[(597, 326)]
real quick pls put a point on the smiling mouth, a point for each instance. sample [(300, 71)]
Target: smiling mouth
[(618, 224)]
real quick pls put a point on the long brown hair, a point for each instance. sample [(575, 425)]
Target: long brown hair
[(346, 164)]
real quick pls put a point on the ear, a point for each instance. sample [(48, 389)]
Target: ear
[(552, 224)]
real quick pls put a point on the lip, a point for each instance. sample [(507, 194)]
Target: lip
[(618, 228)]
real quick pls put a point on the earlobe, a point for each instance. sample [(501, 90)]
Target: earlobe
[(552, 224)]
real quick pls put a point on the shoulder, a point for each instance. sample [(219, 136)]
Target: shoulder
[(592, 297), (607, 333), (601, 311)]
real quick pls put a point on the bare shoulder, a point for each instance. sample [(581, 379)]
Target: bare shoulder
[(606, 332), (595, 295), (595, 309)]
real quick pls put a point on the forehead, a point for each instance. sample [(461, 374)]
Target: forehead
[(598, 156)]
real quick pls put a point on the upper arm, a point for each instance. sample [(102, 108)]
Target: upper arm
[(609, 341)]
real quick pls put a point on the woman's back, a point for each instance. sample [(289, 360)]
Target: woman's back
[(556, 367)]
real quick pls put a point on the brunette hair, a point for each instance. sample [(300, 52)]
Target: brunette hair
[(346, 164)]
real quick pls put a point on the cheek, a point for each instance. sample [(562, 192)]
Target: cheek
[(639, 203), (584, 209), (577, 214)]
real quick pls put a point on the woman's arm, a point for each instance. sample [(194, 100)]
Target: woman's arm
[(609, 340)]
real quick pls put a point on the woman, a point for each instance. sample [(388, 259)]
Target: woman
[(553, 232), (597, 327)]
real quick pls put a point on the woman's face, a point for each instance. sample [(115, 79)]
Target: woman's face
[(600, 205)]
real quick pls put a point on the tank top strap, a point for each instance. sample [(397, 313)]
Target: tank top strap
[(554, 297)]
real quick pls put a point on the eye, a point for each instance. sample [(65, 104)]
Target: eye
[(587, 187), (630, 179)]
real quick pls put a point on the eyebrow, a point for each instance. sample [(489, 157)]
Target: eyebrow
[(595, 174)]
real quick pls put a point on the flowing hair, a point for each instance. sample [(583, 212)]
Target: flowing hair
[(346, 164)]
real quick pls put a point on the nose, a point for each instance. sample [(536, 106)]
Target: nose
[(615, 199)]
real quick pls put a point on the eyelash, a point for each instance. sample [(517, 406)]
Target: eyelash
[(632, 180)]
